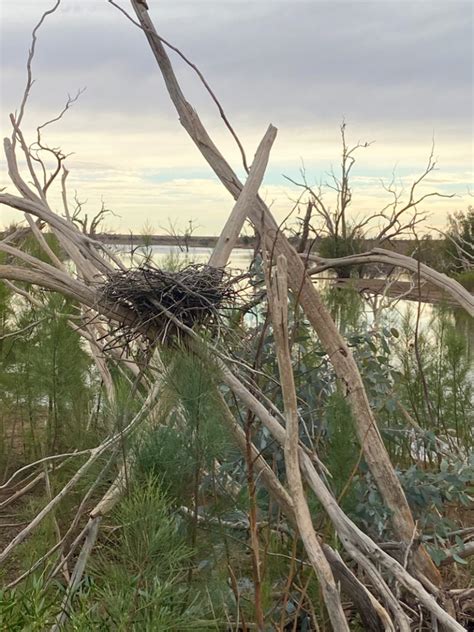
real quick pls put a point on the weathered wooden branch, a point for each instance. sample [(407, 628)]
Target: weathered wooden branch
[(344, 365), (278, 302), (380, 255), (233, 226)]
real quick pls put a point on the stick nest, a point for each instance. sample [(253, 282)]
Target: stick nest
[(160, 299)]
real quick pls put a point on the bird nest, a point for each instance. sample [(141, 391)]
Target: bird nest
[(162, 302)]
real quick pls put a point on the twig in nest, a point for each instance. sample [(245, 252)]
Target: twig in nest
[(196, 294)]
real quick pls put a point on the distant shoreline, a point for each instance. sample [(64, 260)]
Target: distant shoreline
[(195, 241), (401, 246)]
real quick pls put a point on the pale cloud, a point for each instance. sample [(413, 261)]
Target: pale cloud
[(400, 73)]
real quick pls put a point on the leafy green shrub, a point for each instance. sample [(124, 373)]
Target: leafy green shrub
[(336, 246), (428, 493), (459, 243), (466, 279), (28, 608), (139, 580)]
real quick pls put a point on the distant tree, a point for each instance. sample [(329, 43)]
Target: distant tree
[(338, 232), (182, 237), (459, 246)]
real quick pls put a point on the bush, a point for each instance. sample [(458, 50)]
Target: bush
[(334, 247), (466, 279)]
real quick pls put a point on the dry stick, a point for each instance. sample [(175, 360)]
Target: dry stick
[(238, 215), (14, 173), (91, 536), (235, 590), (356, 542), (344, 365), (289, 582), (17, 133), (52, 457), (278, 303), (31, 53), (303, 593), (380, 255), (49, 493), (253, 530), (23, 330), (22, 491), (90, 333), (364, 601), (42, 559), (373, 615), (43, 243), (95, 453), (101, 363)]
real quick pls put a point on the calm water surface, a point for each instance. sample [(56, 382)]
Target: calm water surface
[(241, 258)]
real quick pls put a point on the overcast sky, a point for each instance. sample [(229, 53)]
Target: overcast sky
[(400, 73)]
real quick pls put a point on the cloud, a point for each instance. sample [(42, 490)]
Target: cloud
[(399, 73), (369, 61)]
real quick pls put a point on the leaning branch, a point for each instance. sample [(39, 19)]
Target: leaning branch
[(332, 341), (278, 302), (379, 255), (233, 226)]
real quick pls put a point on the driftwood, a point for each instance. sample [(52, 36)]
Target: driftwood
[(446, 284), (333, 343), (278, 302)]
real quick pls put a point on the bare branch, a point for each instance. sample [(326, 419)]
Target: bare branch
[(278, 299), (231, 231), (199, 74), (31, 54)]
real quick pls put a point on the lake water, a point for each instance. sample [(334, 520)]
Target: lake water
[(240, 260), (392, 314)]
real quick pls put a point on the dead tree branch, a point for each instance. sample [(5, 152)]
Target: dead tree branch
[(345, 367)]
